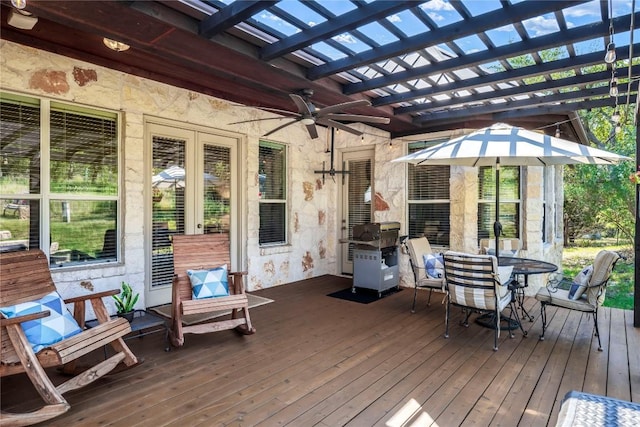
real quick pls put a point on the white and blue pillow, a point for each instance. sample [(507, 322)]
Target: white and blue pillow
[(434, 265), (210, 283), (46, 331), (580, 283)]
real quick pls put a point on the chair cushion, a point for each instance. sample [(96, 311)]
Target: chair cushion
[(580, 283), (210, 283), (44, 332), (560, 298), (434, 265), (503, 252)]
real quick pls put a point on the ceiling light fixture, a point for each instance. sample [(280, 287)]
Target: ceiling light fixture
[(115, 45), (558, 131), (307, 121), (19, 4)]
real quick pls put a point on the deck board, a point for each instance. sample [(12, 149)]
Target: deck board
[(317, 360)]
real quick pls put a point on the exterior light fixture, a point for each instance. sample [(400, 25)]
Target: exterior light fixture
[(610, 56), (558, 131), (613, 89), (115, 45), (615, 117), (19, 4)]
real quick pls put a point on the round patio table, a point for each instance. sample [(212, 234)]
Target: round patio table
[(525, 267)]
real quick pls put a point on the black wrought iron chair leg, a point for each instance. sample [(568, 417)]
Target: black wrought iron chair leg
[(543, 316), (467, 314), (415, 295), (595, 321), (446, 320), (496, 333)]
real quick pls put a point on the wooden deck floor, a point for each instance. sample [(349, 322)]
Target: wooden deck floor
[(317, 360)]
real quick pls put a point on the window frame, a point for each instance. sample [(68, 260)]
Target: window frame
[(492, 202), (412, 147), (284, 221), (45, 196)]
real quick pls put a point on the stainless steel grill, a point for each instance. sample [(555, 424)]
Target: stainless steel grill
[(378, 234), (375, 256)]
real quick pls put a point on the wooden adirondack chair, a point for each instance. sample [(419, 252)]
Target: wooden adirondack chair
[(197, 252), (25, 277)]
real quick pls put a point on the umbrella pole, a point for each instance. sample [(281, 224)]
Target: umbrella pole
[(497, 227)]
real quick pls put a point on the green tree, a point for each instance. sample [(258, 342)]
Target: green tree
[(602, 198)]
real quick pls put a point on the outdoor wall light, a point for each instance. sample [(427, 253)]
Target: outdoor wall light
[(115, 45), (610, 56)]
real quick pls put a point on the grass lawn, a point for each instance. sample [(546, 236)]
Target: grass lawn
[(620, 288)]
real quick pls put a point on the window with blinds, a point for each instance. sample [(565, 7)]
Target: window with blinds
[(81, 193), (509, 201), (20, 182), (428, 199), (272, 177)]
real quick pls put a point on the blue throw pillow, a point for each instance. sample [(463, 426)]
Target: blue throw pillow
[(580, 282), (434, 265), (209, 283), (44, 332)]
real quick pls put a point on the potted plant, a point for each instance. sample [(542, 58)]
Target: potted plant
[(126, 301)]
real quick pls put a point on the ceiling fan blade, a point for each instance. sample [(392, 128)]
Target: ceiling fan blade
[(358, 118), (313, 132), (343, 106), (258, 120), (280, 127), (338, 125), (303, 107)]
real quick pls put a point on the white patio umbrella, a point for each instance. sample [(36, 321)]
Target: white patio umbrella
[(501, 144), (173, 176)]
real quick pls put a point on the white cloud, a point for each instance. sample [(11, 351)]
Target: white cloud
[(344, 38), (541, 26), (394, 18), (437, 5), (435, 16)]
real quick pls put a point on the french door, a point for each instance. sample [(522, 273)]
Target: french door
[(193, 190), (357, 196)]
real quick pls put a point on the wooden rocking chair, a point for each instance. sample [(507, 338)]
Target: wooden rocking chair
[(25, 277), (198, 252)]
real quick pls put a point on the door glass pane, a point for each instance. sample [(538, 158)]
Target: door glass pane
[(217, 189), (360, 196), (167, 205)]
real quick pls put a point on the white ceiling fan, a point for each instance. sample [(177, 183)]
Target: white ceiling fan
[(310, 116)]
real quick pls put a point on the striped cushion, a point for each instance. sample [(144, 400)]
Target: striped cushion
[(472, 282)]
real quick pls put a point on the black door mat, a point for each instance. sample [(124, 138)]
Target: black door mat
[(363, 295)]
